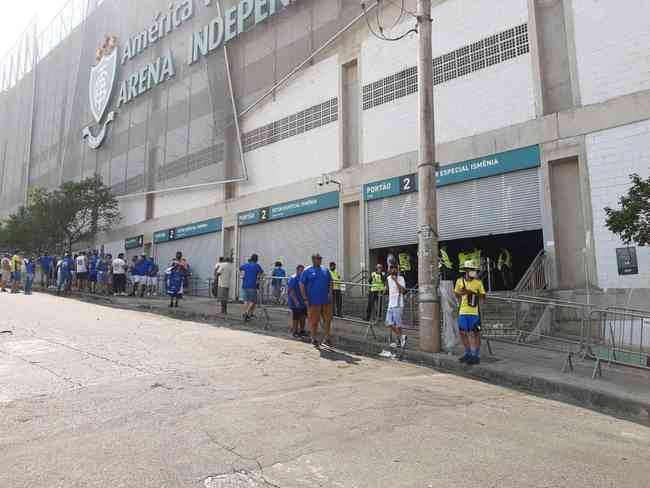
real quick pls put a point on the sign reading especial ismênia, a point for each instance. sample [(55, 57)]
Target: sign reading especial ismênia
[(223, 28)]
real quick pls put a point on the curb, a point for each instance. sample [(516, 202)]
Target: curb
[(580, 395)]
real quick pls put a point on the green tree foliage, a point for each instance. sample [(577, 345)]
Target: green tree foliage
[(57, 220), (631, 222)]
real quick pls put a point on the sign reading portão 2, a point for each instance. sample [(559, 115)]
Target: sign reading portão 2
[(190, 230), (449, 174)]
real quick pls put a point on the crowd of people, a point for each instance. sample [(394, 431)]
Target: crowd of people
[(313, 293), (95, 273)]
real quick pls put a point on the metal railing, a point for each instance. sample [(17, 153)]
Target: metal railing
[(619, 336), (536, 277)]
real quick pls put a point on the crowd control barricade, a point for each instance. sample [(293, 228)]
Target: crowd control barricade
[(546, 324), (619, 336)]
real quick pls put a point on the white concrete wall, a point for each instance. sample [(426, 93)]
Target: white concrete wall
[(488, 99), (612, 155), (132, 210), (306, 155), (294, 159), (180, 201), (612, 47)]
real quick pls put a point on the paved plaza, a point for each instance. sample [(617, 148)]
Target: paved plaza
[(93, 396)]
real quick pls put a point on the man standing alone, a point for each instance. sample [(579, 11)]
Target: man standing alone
[(316, 290), (377, 289), (469, 289), (224, 276), (396, 290), (336, 289), (119, 275), (296, 304), (253, 274)]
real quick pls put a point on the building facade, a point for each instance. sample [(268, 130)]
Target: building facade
[(540, 115)]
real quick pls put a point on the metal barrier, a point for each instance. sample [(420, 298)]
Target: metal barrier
[(614, 335), (620, 336), (545, 324)]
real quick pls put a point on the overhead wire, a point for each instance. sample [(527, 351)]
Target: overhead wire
[(381, 35)]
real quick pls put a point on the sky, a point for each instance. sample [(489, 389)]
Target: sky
[(16, 15)]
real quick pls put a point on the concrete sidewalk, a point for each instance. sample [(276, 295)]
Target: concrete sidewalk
[(621, 391)]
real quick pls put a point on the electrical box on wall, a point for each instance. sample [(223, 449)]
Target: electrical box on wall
[(627, 261)]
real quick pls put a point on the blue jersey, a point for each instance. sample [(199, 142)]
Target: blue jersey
[(294, 284), (30, 267), (174, 278), (278, 273), (102, 265), (251, 272), (45, 262), (317, 281), (140, 268), (92, 264)]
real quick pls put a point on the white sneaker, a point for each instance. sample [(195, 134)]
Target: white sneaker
[(402, 341), (393, 345)]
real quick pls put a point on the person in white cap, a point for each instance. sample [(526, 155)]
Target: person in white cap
[(469, 290)]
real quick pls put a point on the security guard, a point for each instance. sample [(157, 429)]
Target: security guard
[(336, 288), (377, 290), (504, 265), (445, 264)]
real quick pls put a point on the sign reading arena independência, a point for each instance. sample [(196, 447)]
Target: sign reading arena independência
[(220, 30), (223, 28)]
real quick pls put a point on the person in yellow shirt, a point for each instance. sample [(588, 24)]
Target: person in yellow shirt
[(16, 270), (469, 290)]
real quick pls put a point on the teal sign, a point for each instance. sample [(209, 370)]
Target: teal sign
[(134, 242), (290, 209), (390, 187), (190, 230), (496, 164)]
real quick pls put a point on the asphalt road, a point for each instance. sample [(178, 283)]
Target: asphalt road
[(97, 397)]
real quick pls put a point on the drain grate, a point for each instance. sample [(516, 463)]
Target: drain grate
[(234, 480)]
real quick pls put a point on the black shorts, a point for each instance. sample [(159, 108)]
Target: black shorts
[(82, 276), (298, 313)]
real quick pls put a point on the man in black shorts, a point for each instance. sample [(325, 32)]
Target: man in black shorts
[(297, 304)]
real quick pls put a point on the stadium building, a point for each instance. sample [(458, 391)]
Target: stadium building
[(215, 121)]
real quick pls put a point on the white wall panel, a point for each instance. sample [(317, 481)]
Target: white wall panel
[(311, 86), (611, 156), (484, 100), (612, 41), (456, 24), (307, 155), (181, 201), (132, 210)]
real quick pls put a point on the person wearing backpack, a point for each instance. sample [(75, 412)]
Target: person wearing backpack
[(469, 290)]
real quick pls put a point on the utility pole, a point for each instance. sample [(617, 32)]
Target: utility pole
[(428, 272)]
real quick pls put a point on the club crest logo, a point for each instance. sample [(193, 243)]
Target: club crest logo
[(100, 90)]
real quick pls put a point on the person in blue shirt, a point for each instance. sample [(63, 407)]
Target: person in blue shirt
[(45, 263), (279, 280), (102, 274), (253, 274), (296, 304), (174, 281), (64, 274), (316, 290), (139, 275), (92, 271), (30, 269), (152, 277)]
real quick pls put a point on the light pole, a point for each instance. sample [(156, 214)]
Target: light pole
[(428, 273), (326, 180)]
